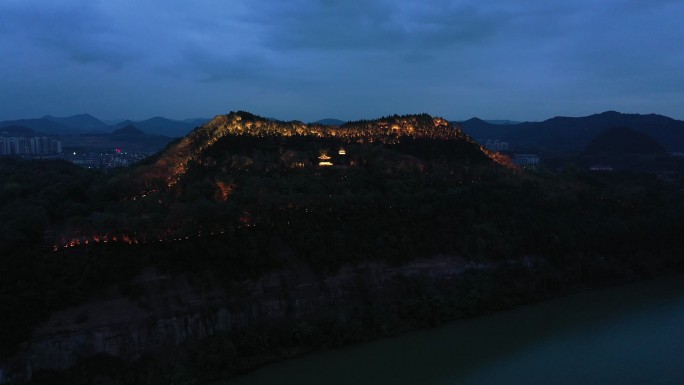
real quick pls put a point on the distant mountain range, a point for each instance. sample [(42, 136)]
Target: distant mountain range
[(502, 122), (565, 134), (88, 124), (83, 122), (44, 126), (129, 137), (129, 130), (556, 135), (164, 126)]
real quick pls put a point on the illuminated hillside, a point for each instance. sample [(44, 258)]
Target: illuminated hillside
[(221, 160), (390, 130)]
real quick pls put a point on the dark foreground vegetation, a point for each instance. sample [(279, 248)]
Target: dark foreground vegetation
[(242, 205)]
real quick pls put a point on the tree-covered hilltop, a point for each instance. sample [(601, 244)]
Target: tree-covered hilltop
[(567, 135), (213, 171), (245, 205), (622, 140), (170, 164)]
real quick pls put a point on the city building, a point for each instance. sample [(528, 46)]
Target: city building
[(497, 145), (526, 160), (35, 146)]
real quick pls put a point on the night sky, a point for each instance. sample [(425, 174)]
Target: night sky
[(347, 59)]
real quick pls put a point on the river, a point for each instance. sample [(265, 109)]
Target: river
[(624, 335)]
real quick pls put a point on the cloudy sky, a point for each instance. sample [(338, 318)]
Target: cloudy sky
[(348, 59)]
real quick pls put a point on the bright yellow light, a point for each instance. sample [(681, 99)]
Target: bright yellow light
[(325, 164)]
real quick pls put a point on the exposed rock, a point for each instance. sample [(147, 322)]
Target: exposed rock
[(169, 311)]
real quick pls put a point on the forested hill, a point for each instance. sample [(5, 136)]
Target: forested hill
[(621, 140), (217, 168), (243, 198), (573, 134), (173, 162), (244, 186)]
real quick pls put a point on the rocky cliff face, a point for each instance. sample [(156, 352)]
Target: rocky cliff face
[(160, 311)]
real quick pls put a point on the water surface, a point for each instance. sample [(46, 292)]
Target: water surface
[(626, 335)]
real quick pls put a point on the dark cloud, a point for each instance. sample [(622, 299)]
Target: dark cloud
[(376, 26), (527, 59), (212, 65), (79, 31), (329, 25)]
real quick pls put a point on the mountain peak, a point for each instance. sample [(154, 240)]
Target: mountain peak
[(128, 130), (474, 120), (79, 121), (610, 113), (383, 130), (391, 130)]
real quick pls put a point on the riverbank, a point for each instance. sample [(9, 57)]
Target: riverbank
[(271, 319), (627, 334)]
